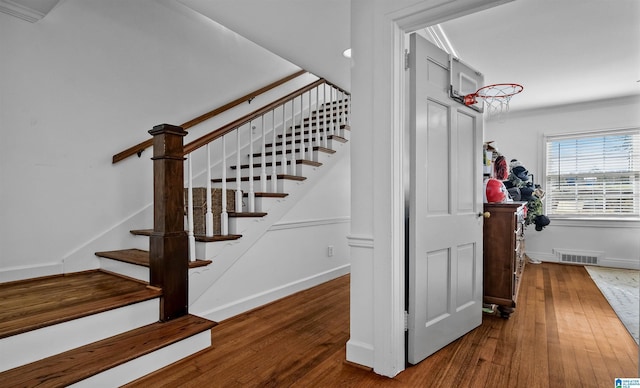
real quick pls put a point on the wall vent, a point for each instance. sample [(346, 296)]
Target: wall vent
[(589, 258)]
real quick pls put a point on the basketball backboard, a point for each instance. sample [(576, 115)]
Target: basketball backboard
[(464, 81)]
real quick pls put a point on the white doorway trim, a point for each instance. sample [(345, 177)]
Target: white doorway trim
[(386, 22)]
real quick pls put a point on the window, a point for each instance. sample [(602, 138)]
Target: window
[(594, 174)]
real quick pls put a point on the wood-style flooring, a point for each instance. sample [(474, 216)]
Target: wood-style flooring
[(562, 334)]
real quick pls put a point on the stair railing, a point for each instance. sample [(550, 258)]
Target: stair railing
[(284, 132), (140, 147)]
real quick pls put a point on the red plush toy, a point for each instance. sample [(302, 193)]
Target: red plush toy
[(501, 169)]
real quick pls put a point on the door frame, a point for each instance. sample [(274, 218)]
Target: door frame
[(389, 331)]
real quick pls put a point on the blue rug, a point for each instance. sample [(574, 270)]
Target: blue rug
[(621, 287)]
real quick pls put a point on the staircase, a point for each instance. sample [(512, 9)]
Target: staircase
[(101, 327), (93, 328)]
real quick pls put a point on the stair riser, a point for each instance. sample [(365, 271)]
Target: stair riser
[(282, 186), (146, 364), (316, 135), (315, 156), (140, 242), (131, 270), (262, 204), (297, 170), (330, 144), (238, 225), (45, 342)]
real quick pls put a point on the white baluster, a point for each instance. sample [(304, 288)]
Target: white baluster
[(274, 158), (348, 116), (283, 147), (251, 199), (209, 214), (263, 158), (191, 237), (238, 174), (330, 124), (341, 115), (316, 139), (292, 167), (334, 106), (309, 139), (303, 144), (325, 133), (224, 215)]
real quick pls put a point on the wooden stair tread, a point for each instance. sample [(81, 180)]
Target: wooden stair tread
[(260, 194), (229, 237), (247, 214), (78, 364), (313, 127), (141, 257), (279, 163), (298, 141), (337, 138), (288, 151), (36, 303), (199, 237), (257, 178)]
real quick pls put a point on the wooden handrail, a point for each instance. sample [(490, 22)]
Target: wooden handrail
[(218, 133), (138, 148)]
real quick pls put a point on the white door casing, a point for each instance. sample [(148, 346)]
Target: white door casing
[(445, 229)]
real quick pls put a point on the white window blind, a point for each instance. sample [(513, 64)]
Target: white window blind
[(595, 174)]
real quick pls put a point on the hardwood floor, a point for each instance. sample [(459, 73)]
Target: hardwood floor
[(562, 334)]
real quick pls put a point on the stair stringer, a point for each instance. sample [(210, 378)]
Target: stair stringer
[(224, 255)]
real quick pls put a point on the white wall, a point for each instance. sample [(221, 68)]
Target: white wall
[(520, 136), (293, 253), (85, 82)]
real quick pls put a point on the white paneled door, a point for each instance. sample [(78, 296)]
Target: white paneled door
[(445, 223)]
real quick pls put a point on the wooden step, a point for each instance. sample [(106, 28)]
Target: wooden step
[(288, 151), (266, 195), (330, 110), (247, 214), (199, 237), (337, 138), (141, 257), (81, 363), (32, 304), (257, 178), (270, 164)]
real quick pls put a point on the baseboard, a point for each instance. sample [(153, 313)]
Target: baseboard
[(11, 274), (360, 353), (603, 262), (240, 306), (619, 263)]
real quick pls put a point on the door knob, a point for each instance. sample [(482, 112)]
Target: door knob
[(485, 214)]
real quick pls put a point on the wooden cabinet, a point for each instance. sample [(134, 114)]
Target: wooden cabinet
[(503, 257)]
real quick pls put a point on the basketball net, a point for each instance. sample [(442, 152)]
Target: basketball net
[(496, 98)]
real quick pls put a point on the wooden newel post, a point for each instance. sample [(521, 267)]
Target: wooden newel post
[(169, 245)]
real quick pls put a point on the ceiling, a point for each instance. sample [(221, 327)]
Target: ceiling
[(29, 10), (561, 51)]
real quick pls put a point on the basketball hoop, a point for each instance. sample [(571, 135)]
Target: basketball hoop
[(496, 97)]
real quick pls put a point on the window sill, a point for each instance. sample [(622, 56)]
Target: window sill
[(596, 222)]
